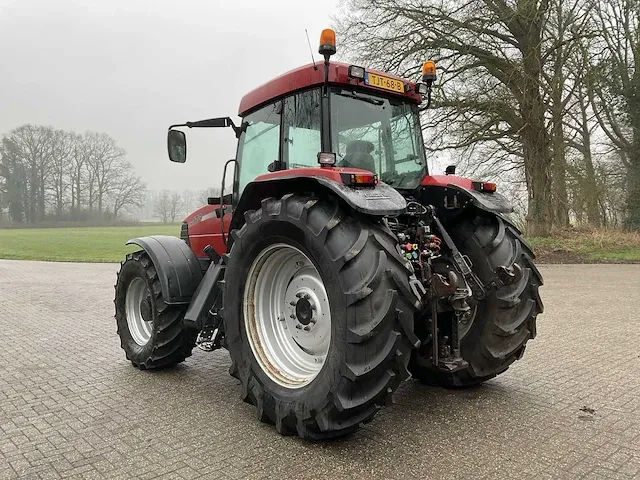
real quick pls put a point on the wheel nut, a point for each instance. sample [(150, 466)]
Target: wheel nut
[(306, 329), (293, 304), (298, 326), (292, 316), (307, 296)]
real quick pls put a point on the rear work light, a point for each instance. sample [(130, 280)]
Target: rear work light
[(488, 187), (422, 88), (356, 72), (326, 159), (360, 179)]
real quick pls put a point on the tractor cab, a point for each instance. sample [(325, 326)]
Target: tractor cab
[(334, 116)]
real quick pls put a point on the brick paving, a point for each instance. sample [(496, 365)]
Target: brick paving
[(71, 406)]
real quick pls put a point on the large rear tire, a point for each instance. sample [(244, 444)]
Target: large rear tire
[(357, 286), (151, 332), (505, 320)]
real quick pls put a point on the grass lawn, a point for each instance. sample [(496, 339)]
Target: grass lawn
[(78, 244), (107, 244), (588, 246)]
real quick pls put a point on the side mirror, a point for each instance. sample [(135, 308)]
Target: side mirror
[(177, 146)]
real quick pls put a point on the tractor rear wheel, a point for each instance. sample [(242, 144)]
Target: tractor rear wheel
[(496, 334), (318, 316), (151, 332)]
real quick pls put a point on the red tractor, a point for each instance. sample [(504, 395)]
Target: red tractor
[(338, 266)]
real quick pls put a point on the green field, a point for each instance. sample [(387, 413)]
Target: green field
[(107, 244), (81, 244), (588, 246)]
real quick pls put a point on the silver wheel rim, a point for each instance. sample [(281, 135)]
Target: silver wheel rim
[(139, 328), (287, 316)]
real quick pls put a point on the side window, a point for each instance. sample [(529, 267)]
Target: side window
[(259, 143), (301, 123)]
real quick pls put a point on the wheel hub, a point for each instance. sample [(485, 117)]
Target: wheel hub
[(303, 311), (145, 309)]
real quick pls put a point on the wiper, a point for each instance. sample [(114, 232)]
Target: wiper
[(355, 96)]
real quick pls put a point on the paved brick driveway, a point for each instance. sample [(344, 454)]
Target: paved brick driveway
[(71, 406)]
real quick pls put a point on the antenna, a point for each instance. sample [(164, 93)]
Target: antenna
[(315, 67)]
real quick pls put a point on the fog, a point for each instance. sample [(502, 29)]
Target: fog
[(130, 68)]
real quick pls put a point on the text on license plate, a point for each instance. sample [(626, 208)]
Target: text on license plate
[(381, 81)]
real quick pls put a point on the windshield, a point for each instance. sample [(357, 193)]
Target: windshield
[(379, 134)]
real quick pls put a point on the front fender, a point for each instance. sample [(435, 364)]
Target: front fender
[(177, 266)]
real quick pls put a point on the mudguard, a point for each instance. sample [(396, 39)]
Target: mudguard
[(178, 269), (381, 200), (490, 202), (452, 192)]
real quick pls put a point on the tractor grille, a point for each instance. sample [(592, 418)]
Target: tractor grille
[(184, 233)]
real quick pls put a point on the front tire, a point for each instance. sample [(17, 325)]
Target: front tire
[(505, 320), (368, 314), (151, 332)]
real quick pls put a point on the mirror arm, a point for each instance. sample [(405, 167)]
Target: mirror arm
[(203, 124)]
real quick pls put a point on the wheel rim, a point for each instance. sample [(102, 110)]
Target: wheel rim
[(287, 316), (138, 311)]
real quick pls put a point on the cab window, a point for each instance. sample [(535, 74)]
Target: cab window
[(301, 129), (259, 143)]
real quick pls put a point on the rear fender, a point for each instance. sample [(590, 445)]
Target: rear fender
[(177, 266), (452, 200), (381, 200)]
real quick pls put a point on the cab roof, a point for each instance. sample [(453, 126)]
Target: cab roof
[(308, 76)]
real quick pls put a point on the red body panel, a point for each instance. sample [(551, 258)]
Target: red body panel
[(332, 173), (444, 180), (307, 76), (205, 229)]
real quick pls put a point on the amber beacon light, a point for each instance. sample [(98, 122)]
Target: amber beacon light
[(327, 42)]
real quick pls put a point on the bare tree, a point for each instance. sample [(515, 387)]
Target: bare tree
[(175, 205), (615, 89), (162, 205), (27, 153), (129, 190), (63, 144), (103, 162), (490, 101)]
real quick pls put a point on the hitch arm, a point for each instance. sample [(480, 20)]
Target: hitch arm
[(473, 281)]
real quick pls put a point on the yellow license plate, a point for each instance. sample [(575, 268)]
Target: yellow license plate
[(381, 81)]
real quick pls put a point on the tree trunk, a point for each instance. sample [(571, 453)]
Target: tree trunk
[(41, 203), (632, 220), (539, 184), (535, 138), (560, 197)]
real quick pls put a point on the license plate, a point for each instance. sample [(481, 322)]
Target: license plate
[(381, 81)]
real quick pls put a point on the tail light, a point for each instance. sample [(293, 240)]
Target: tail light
[(184, 232), (487, 187), (360, 179)]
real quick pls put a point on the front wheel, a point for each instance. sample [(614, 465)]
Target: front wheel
[(318, 316), (496, 334), (151, 332)]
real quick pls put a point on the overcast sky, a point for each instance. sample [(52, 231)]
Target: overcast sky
[(130, 68)]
